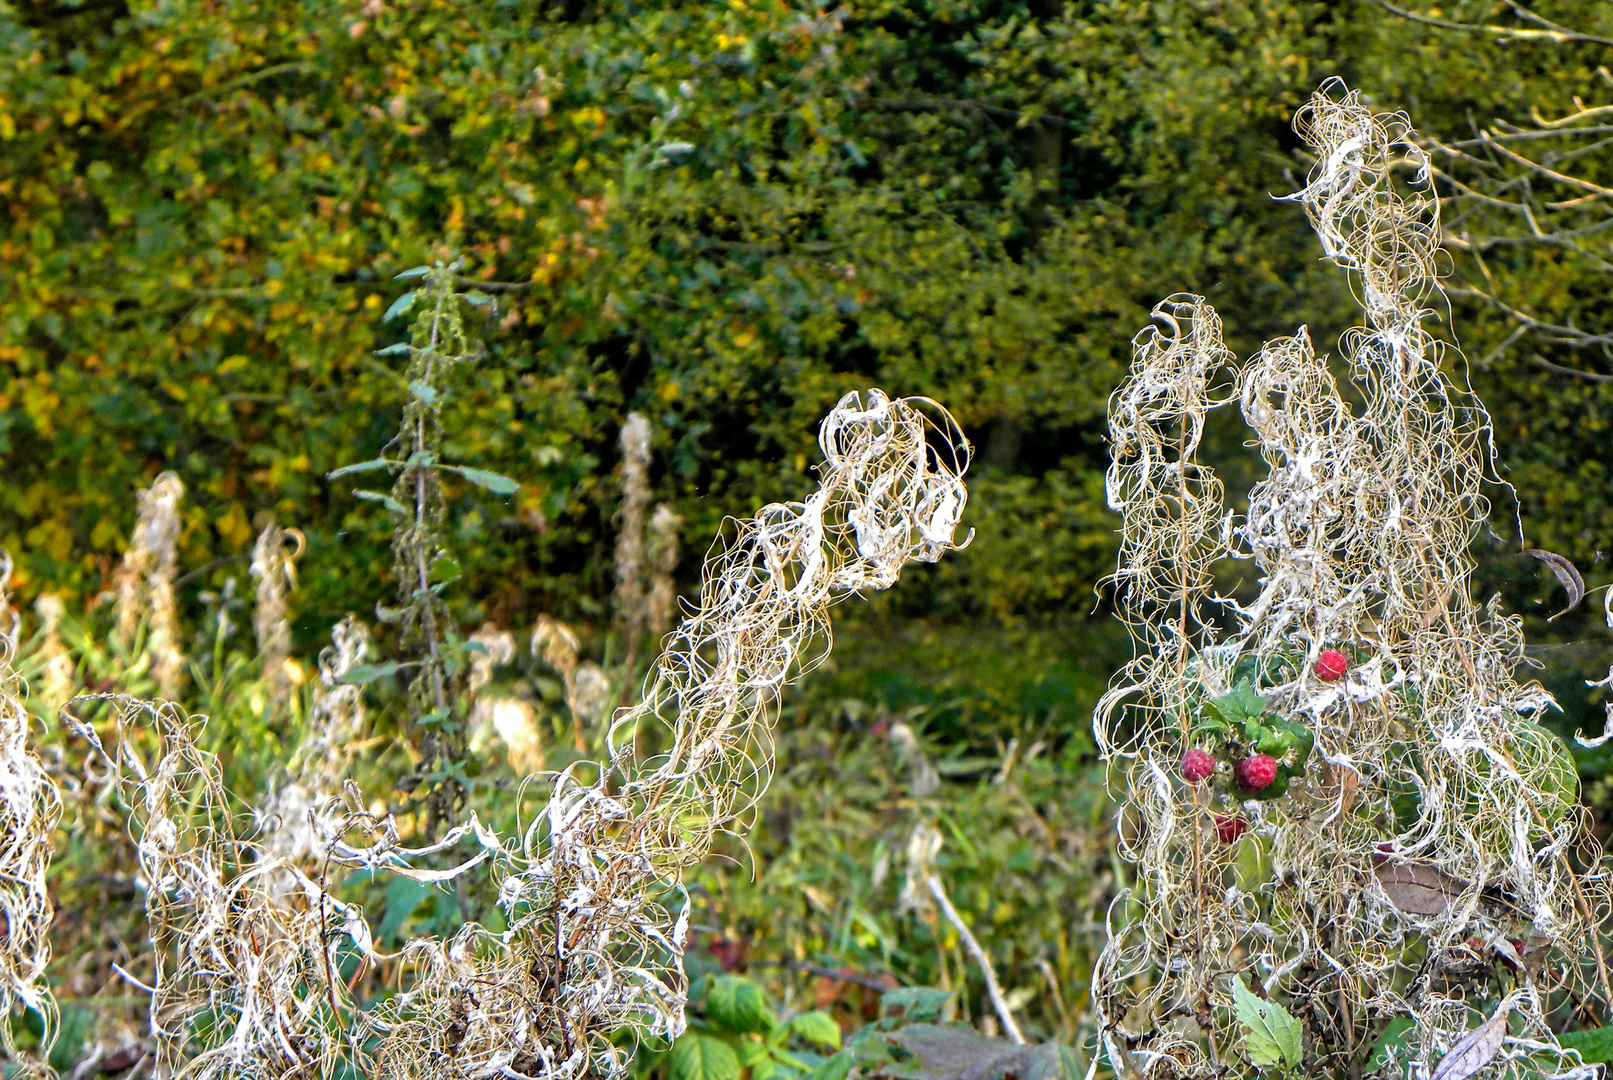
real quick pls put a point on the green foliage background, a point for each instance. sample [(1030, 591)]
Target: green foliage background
[(721, 215)]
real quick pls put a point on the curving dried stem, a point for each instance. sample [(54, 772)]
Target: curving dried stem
[(30, 806), (251, 954), (593, 947), (1434, 810)]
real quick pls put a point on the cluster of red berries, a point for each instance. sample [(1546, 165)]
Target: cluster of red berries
[(1258, 771), (1253, 773)]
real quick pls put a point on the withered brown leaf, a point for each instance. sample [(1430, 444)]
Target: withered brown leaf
[(1419, 889), (1566, 573)]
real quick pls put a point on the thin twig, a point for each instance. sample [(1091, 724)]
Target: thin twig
[(986, 970)]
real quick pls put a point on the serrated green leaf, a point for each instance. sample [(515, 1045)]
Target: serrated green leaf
[(1240, 706), (736, 1003), (700, 1057), (1595, 1045), (1274, 1039), (749, 1053), (401, 305), (362, 466), (413, 271), (492, 481), (424, 391), (817, 1027)]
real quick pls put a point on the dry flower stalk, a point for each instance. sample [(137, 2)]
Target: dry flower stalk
[(630, 553), (275, 568), (145, 584), (661, 605), (592, 948), (1360, 533), (57, 663)]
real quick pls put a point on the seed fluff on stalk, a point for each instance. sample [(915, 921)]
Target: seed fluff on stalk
[(1427, 808), (592, 949)]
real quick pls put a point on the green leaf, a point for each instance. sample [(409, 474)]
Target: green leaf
[(385, 500), (479, 298), (835, 1068), (1275, 1038), (701, 1057), (1394, 1036), (492, 481), (403, 897), (749, 1053), (918, 1002), (1240, 706), (400, 306), (817, 1027), (413, 271), (362, 674), (399, 349), (362, 466), (736, 1003), (1595, 1045), (434, 718), (424, 392)]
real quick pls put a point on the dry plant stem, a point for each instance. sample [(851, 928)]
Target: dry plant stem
[(987, 972), (592, 946)]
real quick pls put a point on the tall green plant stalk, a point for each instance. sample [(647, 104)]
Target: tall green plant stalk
[(428, 640)]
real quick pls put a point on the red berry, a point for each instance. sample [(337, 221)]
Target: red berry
[(1331, 665), (1197, 765), (1381, 853), (1254, 772), (1229, 829)]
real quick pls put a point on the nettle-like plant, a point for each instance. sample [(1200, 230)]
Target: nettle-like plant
[(254, 952), (1355, 847)]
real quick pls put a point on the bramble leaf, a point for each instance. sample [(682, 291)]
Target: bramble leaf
[(1274, 1040), (1241, 706), (700, 1057), (817, 1027)]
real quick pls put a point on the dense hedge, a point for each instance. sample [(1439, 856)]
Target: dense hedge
[(721, 215)]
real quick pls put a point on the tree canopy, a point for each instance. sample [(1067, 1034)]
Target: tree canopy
[(722, 216)]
